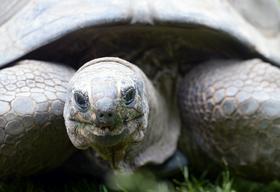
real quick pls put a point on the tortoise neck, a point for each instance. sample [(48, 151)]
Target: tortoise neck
[(163, 129), (158, 135)]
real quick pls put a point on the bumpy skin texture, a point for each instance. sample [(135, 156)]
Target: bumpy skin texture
[(232, 109), (32, 132), (148, 128)]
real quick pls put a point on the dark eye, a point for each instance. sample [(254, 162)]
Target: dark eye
[(129, 95), (81, 100)]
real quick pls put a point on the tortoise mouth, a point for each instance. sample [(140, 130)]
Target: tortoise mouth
[(106, 135), (107, 131)]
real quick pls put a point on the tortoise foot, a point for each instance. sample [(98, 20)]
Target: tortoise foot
[(232, 108), (32, 132)]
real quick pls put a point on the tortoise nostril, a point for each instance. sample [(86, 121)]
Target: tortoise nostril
[(106, 115), (105, 118)]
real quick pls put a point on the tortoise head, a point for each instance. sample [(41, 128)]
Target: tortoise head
[(106, 106)]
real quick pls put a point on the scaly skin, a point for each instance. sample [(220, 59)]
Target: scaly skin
[(230, 112), (32, 132), (146, 130), (232, 109)]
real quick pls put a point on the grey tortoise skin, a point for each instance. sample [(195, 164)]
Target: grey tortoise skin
[(32, 131), (144, 131), (231, 110), (216, 25)]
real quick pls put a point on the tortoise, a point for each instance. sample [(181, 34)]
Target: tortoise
[(199, 77)]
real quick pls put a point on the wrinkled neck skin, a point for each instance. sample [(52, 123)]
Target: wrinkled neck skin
[(162, 131), (160, 136)]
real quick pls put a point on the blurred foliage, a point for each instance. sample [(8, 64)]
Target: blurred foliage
[(143, 181), (147, 182), (138, 182)]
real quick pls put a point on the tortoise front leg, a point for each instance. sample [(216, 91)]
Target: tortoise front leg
[(32, 132), (232, 110)]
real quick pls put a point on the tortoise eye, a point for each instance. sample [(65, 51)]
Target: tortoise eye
[(129, 95), (81, 100)]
